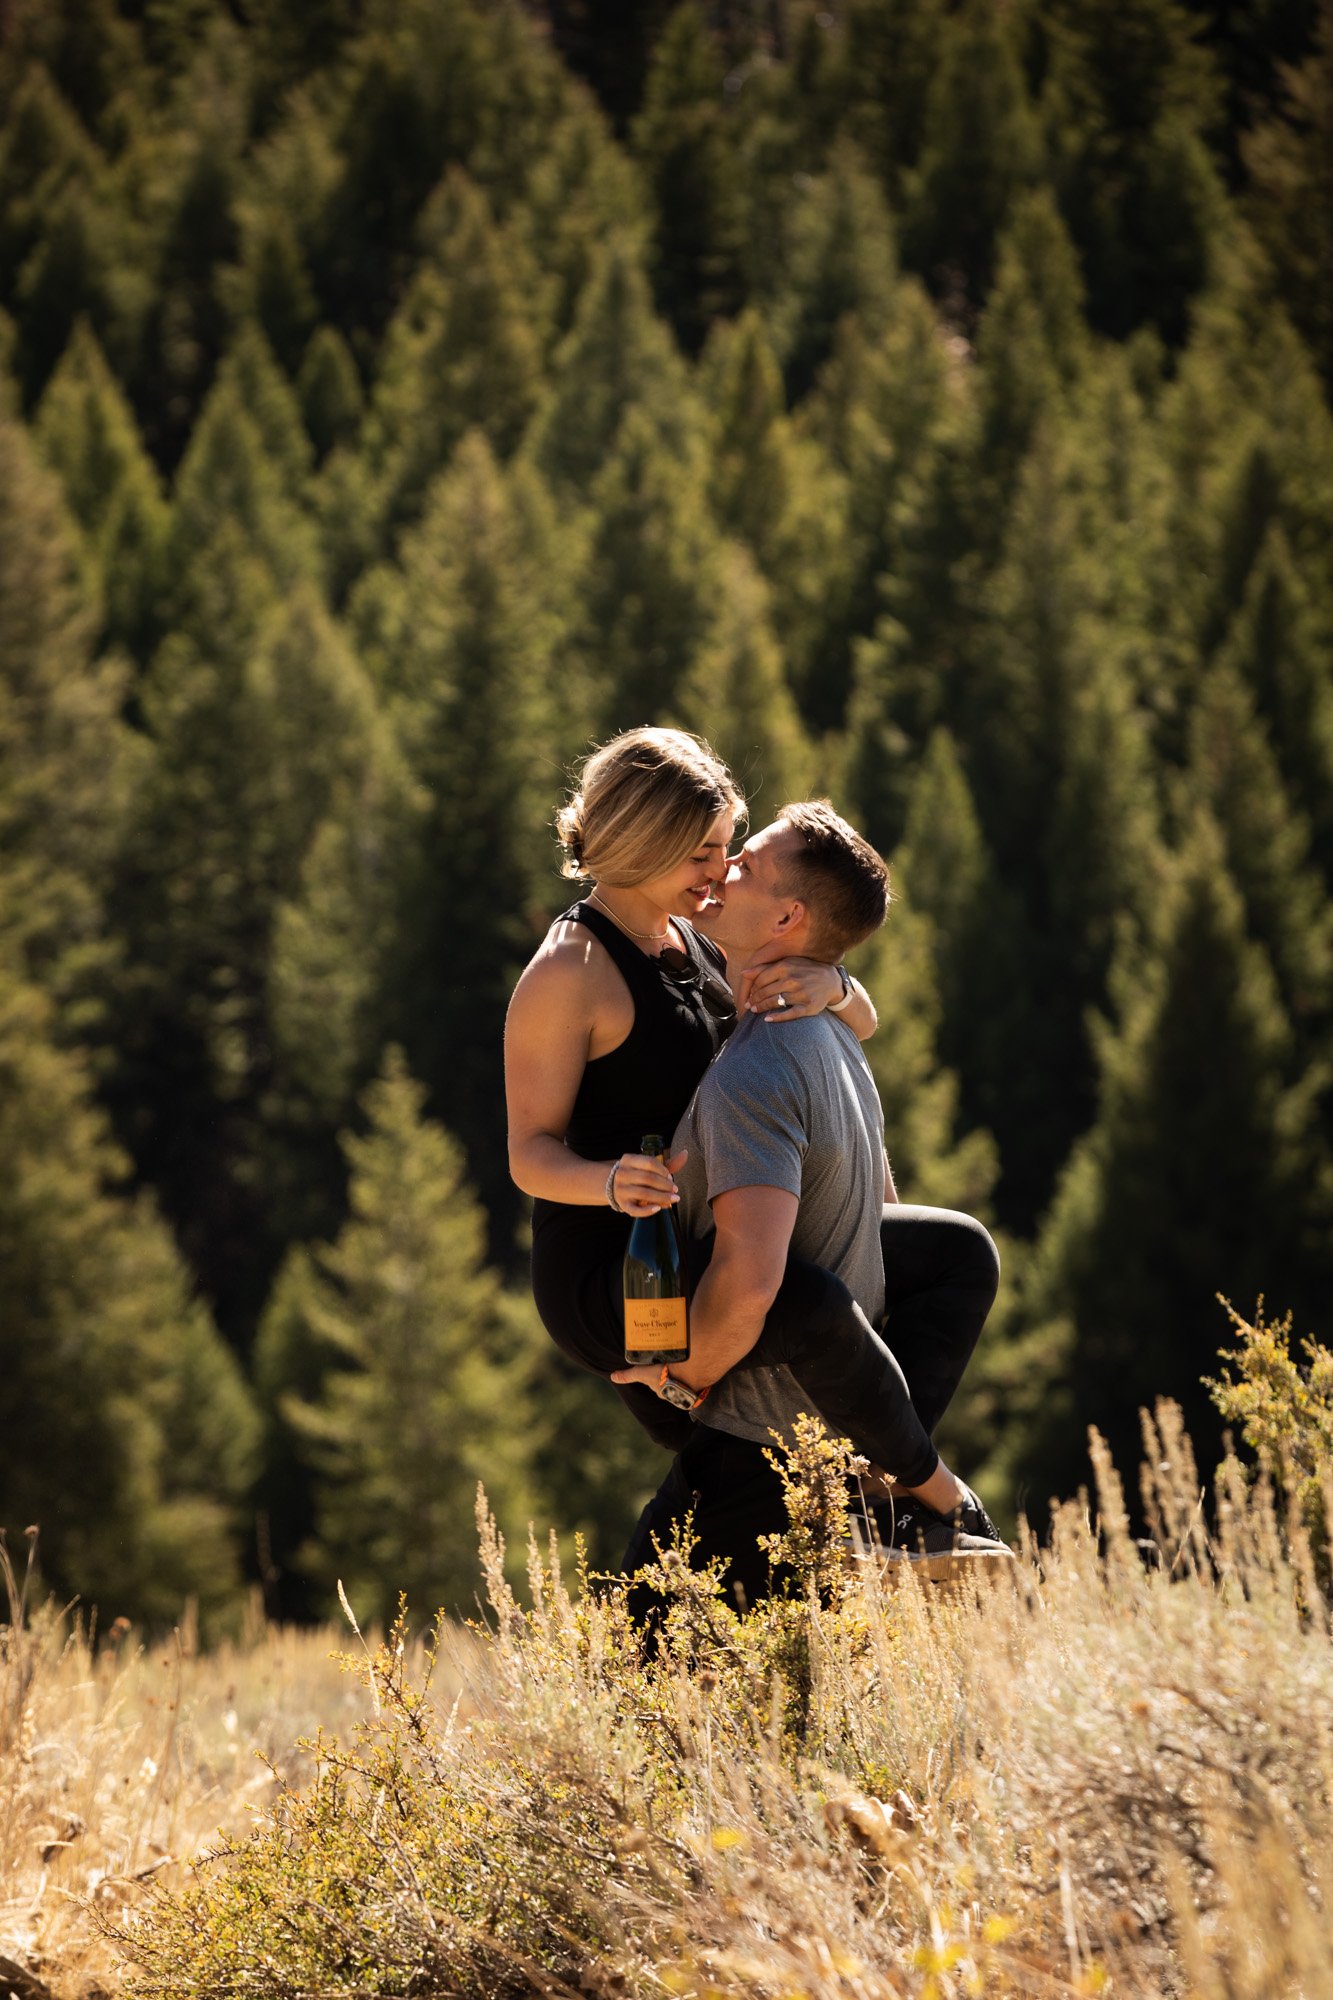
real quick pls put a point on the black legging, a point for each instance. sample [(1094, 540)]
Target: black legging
[(941, 1271)]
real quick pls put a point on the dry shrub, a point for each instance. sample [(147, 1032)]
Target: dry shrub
[(120, 1760), (1109, 1772), (1285, 1413)]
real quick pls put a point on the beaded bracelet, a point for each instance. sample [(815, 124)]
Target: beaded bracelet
[(611, 1190)]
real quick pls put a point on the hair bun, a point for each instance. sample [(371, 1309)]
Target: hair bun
[(569, 832)]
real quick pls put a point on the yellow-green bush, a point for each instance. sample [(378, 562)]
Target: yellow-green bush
[(1285, 1414)]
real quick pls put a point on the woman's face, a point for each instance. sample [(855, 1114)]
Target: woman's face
[(686, 888)]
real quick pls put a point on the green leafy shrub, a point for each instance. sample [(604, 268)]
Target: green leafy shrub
[(1285, 1414)]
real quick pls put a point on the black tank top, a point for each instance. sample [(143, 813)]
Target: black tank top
[(645, 1084), (642, 1086)]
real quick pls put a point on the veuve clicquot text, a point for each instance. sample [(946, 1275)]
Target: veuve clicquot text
[(657, 1326)]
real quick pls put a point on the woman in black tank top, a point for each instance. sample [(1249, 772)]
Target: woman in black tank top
[(609, 1031), (681, 1015)]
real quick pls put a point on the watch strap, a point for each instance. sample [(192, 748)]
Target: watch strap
[(678, 1393), (848, 991)]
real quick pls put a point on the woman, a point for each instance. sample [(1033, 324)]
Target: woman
[(610, 1029)]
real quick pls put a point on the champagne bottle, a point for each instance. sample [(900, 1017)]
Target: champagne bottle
[(657, 1326)]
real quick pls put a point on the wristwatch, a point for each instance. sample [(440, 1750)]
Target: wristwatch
[(836, 1006), (677, 1394)]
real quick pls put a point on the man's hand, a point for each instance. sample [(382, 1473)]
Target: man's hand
[(754, 1227), (650, 1376)]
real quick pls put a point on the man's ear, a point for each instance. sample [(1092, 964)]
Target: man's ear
[(791, 919)]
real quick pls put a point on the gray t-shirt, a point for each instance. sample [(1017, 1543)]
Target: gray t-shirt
[(789, 1106)]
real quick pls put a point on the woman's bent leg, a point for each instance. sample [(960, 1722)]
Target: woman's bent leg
[(817, 1330), (941, 1273)]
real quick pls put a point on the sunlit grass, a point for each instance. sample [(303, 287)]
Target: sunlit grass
[(1112, 1772)]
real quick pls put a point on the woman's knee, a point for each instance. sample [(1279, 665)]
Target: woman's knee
[(977, 1252), (812, 1303), (955, 1246)]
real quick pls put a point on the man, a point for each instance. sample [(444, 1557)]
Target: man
[(785, 1154)]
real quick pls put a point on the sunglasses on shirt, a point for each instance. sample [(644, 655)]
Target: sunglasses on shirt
[(681, 970)]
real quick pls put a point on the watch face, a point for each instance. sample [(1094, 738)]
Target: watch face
[(677, 1393)]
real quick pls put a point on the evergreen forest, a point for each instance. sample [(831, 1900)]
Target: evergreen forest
[(928, 401)]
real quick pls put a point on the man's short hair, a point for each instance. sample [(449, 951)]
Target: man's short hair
[(839, 877)]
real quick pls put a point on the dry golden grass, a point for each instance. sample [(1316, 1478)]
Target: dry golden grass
[(1112, 1774), (120, 1762)]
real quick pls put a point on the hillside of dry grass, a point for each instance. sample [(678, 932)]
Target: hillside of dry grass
[(1111, 1774)]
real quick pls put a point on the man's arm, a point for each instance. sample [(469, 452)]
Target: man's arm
[(727, 1314)]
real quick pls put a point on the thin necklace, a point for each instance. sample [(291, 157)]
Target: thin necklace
[(647, 937)]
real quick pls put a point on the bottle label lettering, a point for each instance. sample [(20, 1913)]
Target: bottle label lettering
[(653, 1324)]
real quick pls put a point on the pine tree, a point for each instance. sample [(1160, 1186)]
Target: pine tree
[(265, 394), (420, 90), (1281, 643), (66, 759), (46, 160), (579, 194), (252, 755), (470, 672), (1126, 106), (736, 693), (618, 355), (1234, 774), (240, 535), (975, 921), (774, 488), (651, 583), (932, 1160), (683, 140), (177, 348), (85, 429), (879, 742), (1032, 342), (86, 49), (66, 276), (271, 287), (330, 390), (1289, 159), (421, 1391), (887, 412), (893, 48), (1206, 1171), (131, 1434), (980, 148), (1060, 757), (840, 259), (464, 350)]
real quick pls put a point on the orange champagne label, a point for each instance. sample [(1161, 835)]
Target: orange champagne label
[(652, 1324)]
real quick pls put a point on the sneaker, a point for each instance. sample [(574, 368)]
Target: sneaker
[(938, 1546)]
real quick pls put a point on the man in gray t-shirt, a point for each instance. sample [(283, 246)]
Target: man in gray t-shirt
[(795, 1113), (785, 1160)]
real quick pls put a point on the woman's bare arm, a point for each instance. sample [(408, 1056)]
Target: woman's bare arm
[(808, 986), (557, 1018)]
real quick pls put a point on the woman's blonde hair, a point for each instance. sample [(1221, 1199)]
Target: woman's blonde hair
[(643, 802)]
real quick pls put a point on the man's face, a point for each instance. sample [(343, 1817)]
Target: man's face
[(749, 904)]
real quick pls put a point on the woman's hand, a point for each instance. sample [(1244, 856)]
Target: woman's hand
[(804, 986), (643, 1184)]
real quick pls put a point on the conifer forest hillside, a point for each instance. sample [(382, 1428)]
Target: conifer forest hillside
[(928, 401)]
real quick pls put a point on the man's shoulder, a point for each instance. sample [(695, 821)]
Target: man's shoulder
[(787, 1056)]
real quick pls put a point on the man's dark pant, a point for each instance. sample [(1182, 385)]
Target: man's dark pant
[(941, 1273)]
